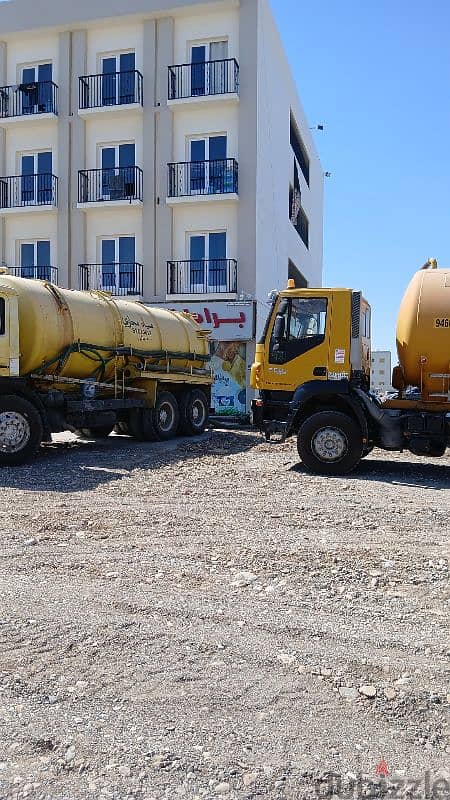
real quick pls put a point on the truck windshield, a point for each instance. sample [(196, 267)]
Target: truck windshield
[(303, 327)]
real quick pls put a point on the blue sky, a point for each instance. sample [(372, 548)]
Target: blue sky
[(377, 74)]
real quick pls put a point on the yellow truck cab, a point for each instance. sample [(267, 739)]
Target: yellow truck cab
[(312, 372)]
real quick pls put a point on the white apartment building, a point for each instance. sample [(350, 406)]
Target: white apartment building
[(381, 371), (158, 150)]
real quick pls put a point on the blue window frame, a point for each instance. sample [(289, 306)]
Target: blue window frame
[(36, 89), (198, 71), (119, 79), (35, 260), (118, 176), (208, 261), (118, 263)]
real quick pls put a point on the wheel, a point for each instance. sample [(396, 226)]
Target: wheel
[(122, 427), (330, 443), (100, 432), (166, 416), (194, 411), (141, 425), (21, 430)]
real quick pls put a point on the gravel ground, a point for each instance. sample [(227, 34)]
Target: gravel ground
[(204, 619)]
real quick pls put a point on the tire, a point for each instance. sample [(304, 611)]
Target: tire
[(102, 432), (166, 416), (21, 430), (141, 425), (194, 411), (122, 428), (330, 443)]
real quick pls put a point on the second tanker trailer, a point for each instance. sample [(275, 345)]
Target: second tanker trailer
[(84, 361)]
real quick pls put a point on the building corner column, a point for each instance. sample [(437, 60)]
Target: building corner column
[(77, 159)]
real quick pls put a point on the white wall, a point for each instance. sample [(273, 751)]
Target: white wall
[(29, 226), (103, 40), (204, 217), (30, 50), (100, 131), (105, 223), (207, 120), (277, 240), (198, 28), (33, 136)]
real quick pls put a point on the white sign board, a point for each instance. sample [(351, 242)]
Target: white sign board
[(228, 321)]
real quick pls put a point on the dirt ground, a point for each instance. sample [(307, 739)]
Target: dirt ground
[(204, 619)]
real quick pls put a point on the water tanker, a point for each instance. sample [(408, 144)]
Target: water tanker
[(423, 335), (88, 362), (313, 368)]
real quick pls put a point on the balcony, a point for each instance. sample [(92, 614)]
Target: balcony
[(28, 192), (36, 273), (106, 92), (103, 187), (201, 180), (205, 277), (119, 279), (205, 81), (20, 102)]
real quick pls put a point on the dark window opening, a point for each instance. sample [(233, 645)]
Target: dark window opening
[(2, 316), (299, 150), (298, 217), (293, 272)]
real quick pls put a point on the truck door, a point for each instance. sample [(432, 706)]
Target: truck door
[(299, 344), (9, 334)]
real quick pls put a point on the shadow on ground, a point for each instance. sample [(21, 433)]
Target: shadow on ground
[(80, 465), (400, 473)]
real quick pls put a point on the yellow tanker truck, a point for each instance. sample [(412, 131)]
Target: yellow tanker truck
[(312, 370), (84, 361)]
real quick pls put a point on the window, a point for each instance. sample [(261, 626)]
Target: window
[(37, 179), (118, 171), (297, 215), (208, 262), (299, 326), (36, 89), (208, 68), (118, 261), (382, 360), (299, 149), (118, 79), (2, 316), (35, 260), (208, 165), (293, 272)]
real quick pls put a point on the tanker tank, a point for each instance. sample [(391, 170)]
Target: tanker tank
[(423, 334), (78, 333)]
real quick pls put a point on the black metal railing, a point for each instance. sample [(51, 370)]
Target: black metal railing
[(190, 178), (20, 191), (203, 79), (23, 99), (120, 278), (111, 89), (108, 185), (204, 276), (37, 273)]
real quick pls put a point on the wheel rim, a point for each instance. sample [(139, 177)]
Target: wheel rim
[(198, 413), (15, 432), (166, 416), (329, 444)]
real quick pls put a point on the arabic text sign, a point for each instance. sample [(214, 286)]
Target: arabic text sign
[(227, 321)]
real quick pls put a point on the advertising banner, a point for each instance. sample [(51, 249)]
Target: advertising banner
[(229, 394), (228, 321)]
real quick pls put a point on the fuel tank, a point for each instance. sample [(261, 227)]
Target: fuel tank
[(423, 334), (77, 333)]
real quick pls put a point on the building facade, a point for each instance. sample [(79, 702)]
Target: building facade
[(157, 150), (381, 371)]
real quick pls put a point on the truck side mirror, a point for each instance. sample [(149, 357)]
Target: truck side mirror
[(279, 328)]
